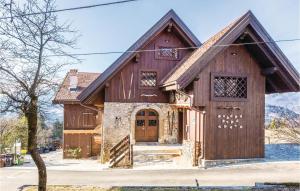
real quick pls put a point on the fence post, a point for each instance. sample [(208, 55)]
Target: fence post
[(131, 154)]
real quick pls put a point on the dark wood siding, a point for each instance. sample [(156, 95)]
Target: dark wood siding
[(83, 141), (124, 86), (236, 142), (79, 117)]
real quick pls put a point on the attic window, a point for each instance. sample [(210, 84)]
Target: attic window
[(148, 78), (167, 53), (73, 83), (230, 88), (73, 89)]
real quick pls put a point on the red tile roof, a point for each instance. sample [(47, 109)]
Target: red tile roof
[(65, 95)]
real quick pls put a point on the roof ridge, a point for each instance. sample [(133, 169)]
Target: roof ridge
[(90, 72)]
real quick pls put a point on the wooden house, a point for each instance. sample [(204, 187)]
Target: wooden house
[(170, 88)]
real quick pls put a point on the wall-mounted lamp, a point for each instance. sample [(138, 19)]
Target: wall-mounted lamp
[(233, 53)]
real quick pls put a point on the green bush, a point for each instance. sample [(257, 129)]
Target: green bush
[(74, 152)]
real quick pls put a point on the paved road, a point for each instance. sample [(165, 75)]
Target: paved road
[(244, 175)]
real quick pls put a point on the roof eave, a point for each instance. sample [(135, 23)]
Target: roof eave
[(247, 19), (63, 101)]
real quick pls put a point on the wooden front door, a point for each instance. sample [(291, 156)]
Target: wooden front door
[(146, 126)]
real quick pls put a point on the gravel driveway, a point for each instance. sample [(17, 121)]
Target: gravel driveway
[(54, 161)]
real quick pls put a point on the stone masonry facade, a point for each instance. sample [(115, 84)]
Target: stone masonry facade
[(119, 121)]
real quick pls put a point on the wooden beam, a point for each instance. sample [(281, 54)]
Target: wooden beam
[(282, 74), (197, 77), (269, 71), (246, 32), (81, 132), (272, 84), (170, 25), (137, 58), (170, 87)]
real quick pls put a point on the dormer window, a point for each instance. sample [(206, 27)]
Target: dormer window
[(167, 53), (73, 83)]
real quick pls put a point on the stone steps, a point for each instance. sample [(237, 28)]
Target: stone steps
[(147, 155)]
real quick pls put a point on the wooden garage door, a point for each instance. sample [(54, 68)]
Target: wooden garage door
[(146, 126)]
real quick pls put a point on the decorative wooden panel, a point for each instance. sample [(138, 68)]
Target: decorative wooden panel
[(148, 79), (180, 99), (228, 118), (167, 53), (229, 87)]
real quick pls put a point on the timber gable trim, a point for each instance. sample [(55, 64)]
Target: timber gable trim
[(170, 17), (193, 65)]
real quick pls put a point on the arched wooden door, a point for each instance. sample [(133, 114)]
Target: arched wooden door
[(146, 126)]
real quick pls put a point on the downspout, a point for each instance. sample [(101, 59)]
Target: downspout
[(203, 133)]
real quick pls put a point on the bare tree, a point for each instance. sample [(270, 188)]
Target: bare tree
[(27, 71)]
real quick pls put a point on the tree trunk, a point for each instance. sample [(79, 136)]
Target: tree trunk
[(31, 116)]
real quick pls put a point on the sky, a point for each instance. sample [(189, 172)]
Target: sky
[(117, 27)]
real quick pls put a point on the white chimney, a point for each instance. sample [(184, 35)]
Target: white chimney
[(73, 79)]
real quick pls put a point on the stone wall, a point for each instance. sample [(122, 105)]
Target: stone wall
[(188, 152), (119, 121)]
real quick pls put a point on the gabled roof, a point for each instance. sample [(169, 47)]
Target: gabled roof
[(64, 95), (190, 67), (98, 84)]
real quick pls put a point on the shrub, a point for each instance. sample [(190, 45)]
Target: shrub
[(74, 152)]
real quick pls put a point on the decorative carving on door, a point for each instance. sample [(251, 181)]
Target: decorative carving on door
[(228, 118)]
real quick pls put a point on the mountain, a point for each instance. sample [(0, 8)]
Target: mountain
[(287, 100), (273, 111), (282, 105)]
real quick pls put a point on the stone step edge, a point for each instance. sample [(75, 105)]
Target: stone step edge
[(157, 154), (157, 151)]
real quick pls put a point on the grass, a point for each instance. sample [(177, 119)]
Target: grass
[(92, 188), (277, 186), (71, 188)]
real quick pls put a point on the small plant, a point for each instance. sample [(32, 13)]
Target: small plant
[(23, 152), (74, 152)]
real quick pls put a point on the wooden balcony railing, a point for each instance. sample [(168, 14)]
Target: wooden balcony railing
[(121, 155)]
